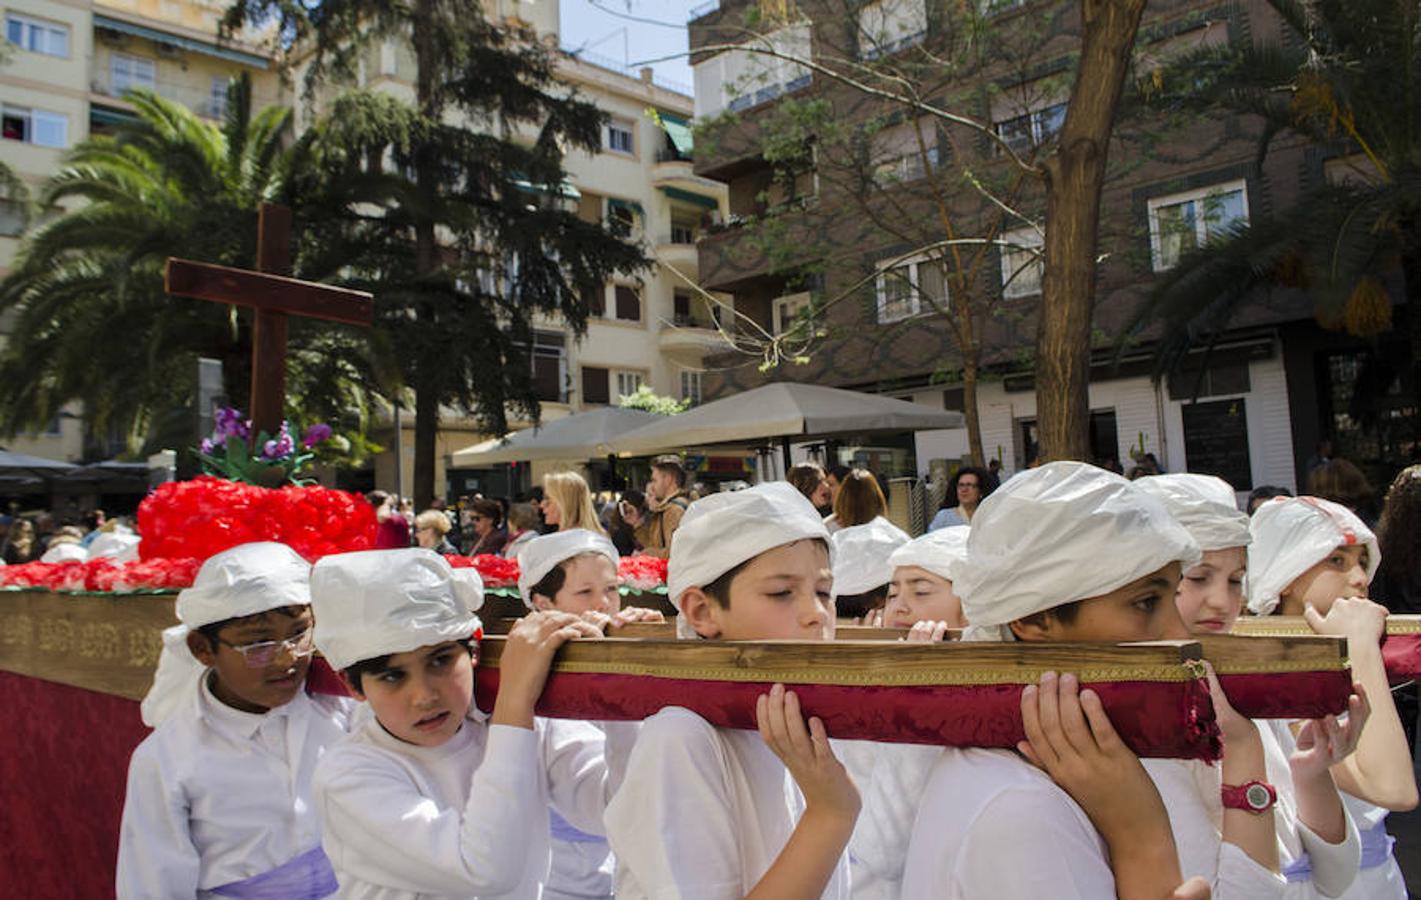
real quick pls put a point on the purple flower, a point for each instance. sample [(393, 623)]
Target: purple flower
[(208, 447), (280, 447), (229, 423), (316, 434)]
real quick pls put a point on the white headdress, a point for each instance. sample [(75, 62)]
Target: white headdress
[(543, 554), (1293, 534)]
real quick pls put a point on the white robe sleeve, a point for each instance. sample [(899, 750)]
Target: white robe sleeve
[(389, 834), (156, 856), (1202, 851), (574, 757), (1334, 866), (1021, 848), (892, 790), (671, 824)]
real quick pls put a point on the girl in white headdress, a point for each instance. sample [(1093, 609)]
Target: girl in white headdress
[(921, 596), (1317, 837), (1070, 552), (220, 797), (1315, 558), (575, 571)]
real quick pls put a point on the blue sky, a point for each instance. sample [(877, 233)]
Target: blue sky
[(606, 29)]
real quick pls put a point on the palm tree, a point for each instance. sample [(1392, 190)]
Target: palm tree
[(91, 320), (1348, 78)]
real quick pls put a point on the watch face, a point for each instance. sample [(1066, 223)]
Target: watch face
[(1257, 797)]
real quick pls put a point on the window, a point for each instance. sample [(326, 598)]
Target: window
[(888, 26), (627, 383), (909, 287), (1181, 222), (905, 152), (621, 137), (549, 366), (1219, 379), (217, 97), (621, 216), (36, 36), (683, 229), (1032, 129), (691, 386), (1021, 262), (12, 218), (628, 303), (681, 308), (131, 72), (740, 79), (786, 311), (34, 126), (594, 385)]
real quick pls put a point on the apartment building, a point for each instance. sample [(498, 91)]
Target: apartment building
[(652, 329), (1252, 411), (70, 63)]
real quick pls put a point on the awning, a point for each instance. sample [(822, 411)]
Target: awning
[(689, 197), (566, 189), (574, 438), (105, 116), (679, 131), (615, 203), (174, 40)]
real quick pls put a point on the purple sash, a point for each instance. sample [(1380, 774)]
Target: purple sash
[(1376, 851), (307, 877), (1376, 846), (562, 830)]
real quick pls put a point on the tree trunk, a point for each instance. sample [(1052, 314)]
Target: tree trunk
[(426, 248), (1074, 177), (970, 364)]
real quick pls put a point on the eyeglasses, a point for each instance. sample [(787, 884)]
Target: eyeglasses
[(263, 653)]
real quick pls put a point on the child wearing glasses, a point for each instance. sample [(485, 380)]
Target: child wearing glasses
[(219, 798)]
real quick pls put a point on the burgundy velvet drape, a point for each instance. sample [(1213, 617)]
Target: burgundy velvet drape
[(63, 769)]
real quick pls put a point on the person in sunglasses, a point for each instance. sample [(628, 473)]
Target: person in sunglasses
[(220, 801)]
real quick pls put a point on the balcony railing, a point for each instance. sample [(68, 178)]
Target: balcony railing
[(204, 103)]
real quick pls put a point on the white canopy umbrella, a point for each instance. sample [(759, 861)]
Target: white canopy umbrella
[(783, 410), (577, 437)]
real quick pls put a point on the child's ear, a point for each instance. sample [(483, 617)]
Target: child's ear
[(200, 648), (350, 686), (541, 602), (699, 610), (1033, 628)]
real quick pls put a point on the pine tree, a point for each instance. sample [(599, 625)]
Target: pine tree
[(449, 208)]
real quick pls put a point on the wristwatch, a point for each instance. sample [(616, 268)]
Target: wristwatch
[(1251, 796)]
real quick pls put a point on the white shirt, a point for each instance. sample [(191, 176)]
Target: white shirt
[(468, 818), (585, 868), (704, 814), (891, 779), (217, 795), (1383, 882), (1190, 791), (991, 826), (1334, 866)]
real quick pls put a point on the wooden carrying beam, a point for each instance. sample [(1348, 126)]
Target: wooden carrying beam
[(1401, 647), (1265, 677), (222, 284), (964, 695)]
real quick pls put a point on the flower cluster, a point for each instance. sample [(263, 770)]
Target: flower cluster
[(196, 519), (102, 574), (642, 572), (228, 453), (494, 570)]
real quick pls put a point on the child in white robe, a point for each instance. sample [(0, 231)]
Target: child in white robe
[(219, 796), (431, 797), (718, 812), (1315, 558), (575, 571), (1070, 552), (1319, 843)]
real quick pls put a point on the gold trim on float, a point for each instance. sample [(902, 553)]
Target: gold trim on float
[(1289, 626), (868, 663)]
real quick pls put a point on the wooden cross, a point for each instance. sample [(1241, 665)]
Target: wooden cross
[(273, 297)]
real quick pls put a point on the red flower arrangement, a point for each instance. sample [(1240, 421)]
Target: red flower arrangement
[(202, 517), (494, 570), (642, 572), (102, 575)]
